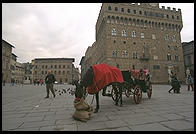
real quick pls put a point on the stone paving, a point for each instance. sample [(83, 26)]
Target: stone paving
[(24, 108)]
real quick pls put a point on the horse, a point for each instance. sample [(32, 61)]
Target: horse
[(88, 80)]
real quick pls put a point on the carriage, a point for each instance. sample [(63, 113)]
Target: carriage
[(132, 85)]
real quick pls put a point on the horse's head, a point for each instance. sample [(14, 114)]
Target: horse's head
[(79, 90)]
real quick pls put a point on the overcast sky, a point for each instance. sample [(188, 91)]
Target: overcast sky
[(63, 30)]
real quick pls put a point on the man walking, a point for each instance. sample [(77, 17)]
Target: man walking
[(50, 79)]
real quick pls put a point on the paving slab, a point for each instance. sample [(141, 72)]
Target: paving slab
[(26, 109)]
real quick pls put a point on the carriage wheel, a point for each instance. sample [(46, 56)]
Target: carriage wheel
[(137, 94), (149, 91), (114, 95), (127, 92)]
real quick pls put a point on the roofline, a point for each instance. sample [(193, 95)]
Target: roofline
[(8, 43), (14, 55), (73, 60)]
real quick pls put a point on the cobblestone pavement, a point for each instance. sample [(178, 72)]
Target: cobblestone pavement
[(24, 108)]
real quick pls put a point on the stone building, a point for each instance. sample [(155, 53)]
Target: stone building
[(17, 70), (188, 53), (139, 35), (60, 67), (75, 73), (6, 61)]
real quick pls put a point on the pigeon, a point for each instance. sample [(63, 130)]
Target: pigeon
[(60, 94), (68, 89)]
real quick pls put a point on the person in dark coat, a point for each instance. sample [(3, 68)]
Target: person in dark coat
[(175, 84), (50, 79)]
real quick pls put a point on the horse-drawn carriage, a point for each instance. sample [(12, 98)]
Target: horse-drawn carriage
[(101, 76), (132, 85)]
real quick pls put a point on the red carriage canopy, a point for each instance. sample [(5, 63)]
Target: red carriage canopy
[(135, 72), (104, 75)]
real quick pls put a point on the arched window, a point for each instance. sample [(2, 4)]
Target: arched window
[(114, 32), (124, 33), (133, 34)]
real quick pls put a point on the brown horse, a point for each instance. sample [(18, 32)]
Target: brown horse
[(87, 81)]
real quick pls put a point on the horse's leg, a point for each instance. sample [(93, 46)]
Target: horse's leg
[(116, 93), (120, 91), (104, 90), (97, 103)]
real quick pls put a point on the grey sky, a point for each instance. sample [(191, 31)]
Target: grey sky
[(63, 29)]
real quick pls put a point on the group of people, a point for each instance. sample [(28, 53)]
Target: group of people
[(41, 82), (176, 84)]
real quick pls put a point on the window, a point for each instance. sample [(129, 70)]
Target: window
[(134, 55), (153, 36), (51, 66), (134, 11), (63, 72), (145, 13), (45, 72), (169, 47), (46, 66), (63, 66), (156, 67), (167, 37), (59, 66), (122, 9), (42, 72), (174, 38), (124, 33), (68, 72), (155, 57), (133, 34), (167, 16), (178, 18), (169, 57), (133, 66), (172, 17), (55, 66), (116, 9), (124, 53), (114, 32), (109, 8), (35, 72), (176, 58), (128, 10), (140, 12), (42, 66), (175, 47), (59, 72), (142, 35), (55, 72), (114, 54)]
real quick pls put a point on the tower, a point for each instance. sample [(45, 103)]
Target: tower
[(139, 35)]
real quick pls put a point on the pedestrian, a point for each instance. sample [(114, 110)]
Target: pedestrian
[(34, 82), (190, 82), (175, 84), (41, 82), (50, 79), (141, 79)]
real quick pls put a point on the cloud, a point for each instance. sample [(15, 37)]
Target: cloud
[(61, 30)]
